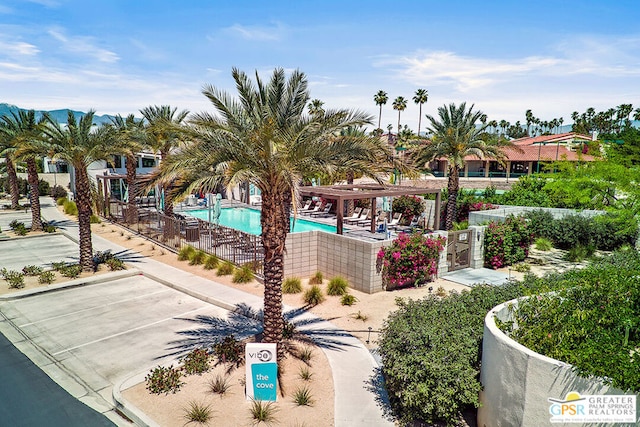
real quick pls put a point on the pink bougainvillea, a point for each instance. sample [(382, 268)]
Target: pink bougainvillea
[(410, 259)]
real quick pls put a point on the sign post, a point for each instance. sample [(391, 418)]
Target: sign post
[(261, 371)]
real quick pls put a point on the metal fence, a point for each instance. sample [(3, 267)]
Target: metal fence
[(226, 243)]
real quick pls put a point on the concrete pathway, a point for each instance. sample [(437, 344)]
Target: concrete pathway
[(474, 276), (102, 360)]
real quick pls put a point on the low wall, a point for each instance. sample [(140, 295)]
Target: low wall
[(482, 217), (334, 255), (517, 381)]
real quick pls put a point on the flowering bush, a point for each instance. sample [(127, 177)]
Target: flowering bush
[(507, 242), (409, 260), (472, 206), (408, 206)]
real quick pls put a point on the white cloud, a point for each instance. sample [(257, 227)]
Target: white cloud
[(18, 48), (83, 45), (274, 32)]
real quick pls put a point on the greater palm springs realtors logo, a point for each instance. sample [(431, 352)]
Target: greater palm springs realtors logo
[(593, 409)]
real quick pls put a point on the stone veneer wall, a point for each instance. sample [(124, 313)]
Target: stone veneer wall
[(481, 217), (517, 381)]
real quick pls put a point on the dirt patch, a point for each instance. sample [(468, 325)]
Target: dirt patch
[(232, 408)]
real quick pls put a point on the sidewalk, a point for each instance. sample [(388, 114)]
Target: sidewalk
[(355, 371)]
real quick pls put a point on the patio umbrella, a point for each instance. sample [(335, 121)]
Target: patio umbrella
[(386, 204), (161, 205)]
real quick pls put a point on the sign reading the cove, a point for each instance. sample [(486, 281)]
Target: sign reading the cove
[(261, 371), (593, 409)]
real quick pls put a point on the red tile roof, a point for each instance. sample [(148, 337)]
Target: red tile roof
[(562, 137), (545, 153)]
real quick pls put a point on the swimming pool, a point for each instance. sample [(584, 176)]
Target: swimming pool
[(248, 220)]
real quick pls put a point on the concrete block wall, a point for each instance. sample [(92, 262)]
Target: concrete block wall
[(301, 257), (334, 255), (477, 246)]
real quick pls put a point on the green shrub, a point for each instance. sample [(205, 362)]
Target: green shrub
[(446, 336), (337, 286), (543, 244), (196, 361), (58, 265), (70, 208), (57, 192), (242, 275), (591, 323), (198, 257), (47, 277), (305, 373), (263, 412), (573, 230), (18, 227), (115, 264), (580, 253), (313, 295), (348, 299), (292, 285), (219, 385), (522, 267), (49, 228), (229, 350), (225, 269), (71, 271), (164, 380), (408, 206), (211, 262), (302, 397), (197, 413), (94, 219), (14, 278), (541, 223), (316, 279), (185, 253), (32, 270), (507, 243), (60, 201), (614, 230)]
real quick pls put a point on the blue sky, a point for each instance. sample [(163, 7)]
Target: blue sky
[(119, 56)]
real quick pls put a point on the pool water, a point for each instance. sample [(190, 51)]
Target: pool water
[(248, 220)]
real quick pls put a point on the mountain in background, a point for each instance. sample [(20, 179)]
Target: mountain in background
[(59, 115)]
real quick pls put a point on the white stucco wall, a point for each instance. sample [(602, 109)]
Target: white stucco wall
[(518, 381)]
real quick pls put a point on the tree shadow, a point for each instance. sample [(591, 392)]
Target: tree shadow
[(376, 386), (244, 322)]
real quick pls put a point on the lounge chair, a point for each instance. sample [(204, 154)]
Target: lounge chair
[(395, 222), (315, 209), (324, 212), (306, 207), (364, 221), (356, 215), (363, 215)]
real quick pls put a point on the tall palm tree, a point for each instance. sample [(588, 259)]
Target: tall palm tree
[(380, 99), (266, 138), (315, 107), (421, 97), (455, 136), (165, 128), (129, 141), (26, 133), (399, 104), (79, 145), (7, 148), (528, 115)]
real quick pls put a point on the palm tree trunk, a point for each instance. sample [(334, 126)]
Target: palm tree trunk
[(274, 234), (380, 117), (83, 201), (13, 183), (419, 119), (132, 209), (32, 177), (453, 185), (350, 207)]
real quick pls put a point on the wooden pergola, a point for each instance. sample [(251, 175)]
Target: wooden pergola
[(340, 193)]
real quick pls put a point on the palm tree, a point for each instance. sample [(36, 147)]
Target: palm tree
[(7, 148), (266, 138), (315, 107), (455, 136), (420, 98), (529, 118), (380, 99), (79, 145), (399, 104), (130, 140), (165, 130), (27, 141)]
